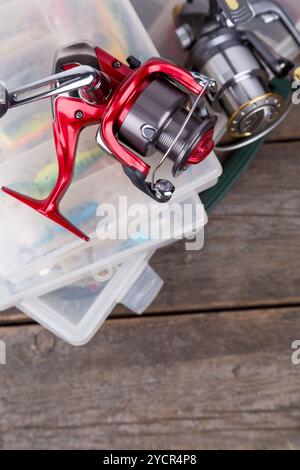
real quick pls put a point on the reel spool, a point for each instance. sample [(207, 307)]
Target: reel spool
[(155, 120), (140, 109), (241, 63), (243, 84)]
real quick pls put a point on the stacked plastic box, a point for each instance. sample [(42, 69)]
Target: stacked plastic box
[(67, 285)]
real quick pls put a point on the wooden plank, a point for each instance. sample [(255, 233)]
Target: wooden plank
[(13, 316), (289, 129), (175, 382), (252, 250)]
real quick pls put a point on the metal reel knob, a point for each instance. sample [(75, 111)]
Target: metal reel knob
[(164, 190), (4, 100)]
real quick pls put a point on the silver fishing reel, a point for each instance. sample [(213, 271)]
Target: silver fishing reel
[(223, 46)]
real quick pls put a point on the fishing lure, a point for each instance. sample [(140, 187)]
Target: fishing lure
[(46, 178), (79, 215)]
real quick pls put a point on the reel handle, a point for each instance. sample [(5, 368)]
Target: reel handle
[(71, 116), (60, 83), (4, 100)]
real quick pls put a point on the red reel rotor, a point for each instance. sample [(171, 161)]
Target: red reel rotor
[(112, 95)]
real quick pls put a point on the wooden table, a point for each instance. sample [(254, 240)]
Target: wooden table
[(209, 365)]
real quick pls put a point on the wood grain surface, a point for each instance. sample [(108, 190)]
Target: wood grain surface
[(194, 381), (289, 129)]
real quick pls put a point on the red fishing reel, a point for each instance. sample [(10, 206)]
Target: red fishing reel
[(141, 108)]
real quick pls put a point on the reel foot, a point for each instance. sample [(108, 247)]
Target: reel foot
[(47, 209)]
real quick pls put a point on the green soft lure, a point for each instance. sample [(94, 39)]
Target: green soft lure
[(47, 177)]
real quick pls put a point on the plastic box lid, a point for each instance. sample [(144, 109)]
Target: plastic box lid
[(193, 222), (63, 274), (76, 312), (30, 243)]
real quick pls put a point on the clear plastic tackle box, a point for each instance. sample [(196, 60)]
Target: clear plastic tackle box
[(178, 219), (41, 265), (76, 311), (30, 243)]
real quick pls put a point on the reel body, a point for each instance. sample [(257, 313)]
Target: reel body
[(243, 82), (139, 108), (242, 64)]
